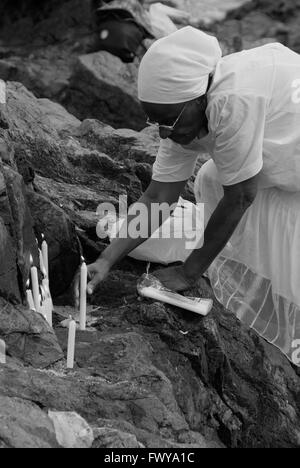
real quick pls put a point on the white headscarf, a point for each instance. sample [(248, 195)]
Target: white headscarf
[(176, 68)]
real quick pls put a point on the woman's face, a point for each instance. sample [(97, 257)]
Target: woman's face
[(191, 124)]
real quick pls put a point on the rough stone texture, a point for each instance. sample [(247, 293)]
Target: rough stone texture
[(17, 236), (67, 178), (44, 23), (72, 431), (258, 19), (24, 425), (106, 437), (9, 286), (27, 335), (158, 376), (105, 88), (21, 223), (63, 246), (119, 144), (45, 72)]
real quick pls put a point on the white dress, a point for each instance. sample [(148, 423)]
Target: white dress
[(254, 128)]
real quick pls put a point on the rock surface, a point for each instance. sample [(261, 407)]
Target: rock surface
[(28, 336), (155, 376), (17, 236), (48, 54), (105, 88), (24, 425)]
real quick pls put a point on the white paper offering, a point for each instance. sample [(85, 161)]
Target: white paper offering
[(151, 287), (2, 92)]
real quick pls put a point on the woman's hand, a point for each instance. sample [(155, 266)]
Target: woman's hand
[(175, 278), (97, 272)]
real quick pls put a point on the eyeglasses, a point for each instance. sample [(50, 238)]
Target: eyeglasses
[(166, 130)]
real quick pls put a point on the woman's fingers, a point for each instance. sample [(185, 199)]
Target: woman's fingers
[(76, 287), (96, 273), (93, 283)]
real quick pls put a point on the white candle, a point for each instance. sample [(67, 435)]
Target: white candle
[(196, 304), (42, 265), (83, 286), (30, 300), (35, 288), (2, 352), (71, 344), (45, 306), (48, 300), (48, 308), (45, 256), (43, 311)]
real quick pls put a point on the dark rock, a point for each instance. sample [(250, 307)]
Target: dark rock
[(61, 120), (9, 287), (18, 238), (120, 144), (105, 88), (96, 398), (106, 437), (25, 425), (162, 377), (67, 170), (260, 19), (63, 245), (36, 24), (34, 121), (25, 169), (45, 72), (21, 223), (28, 336)]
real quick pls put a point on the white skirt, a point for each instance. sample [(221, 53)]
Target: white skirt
[(257, 275)]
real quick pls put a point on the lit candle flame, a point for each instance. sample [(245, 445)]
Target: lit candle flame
[(147, 269), (43, 237), (27, 283), (82, 259), (31, 259)]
